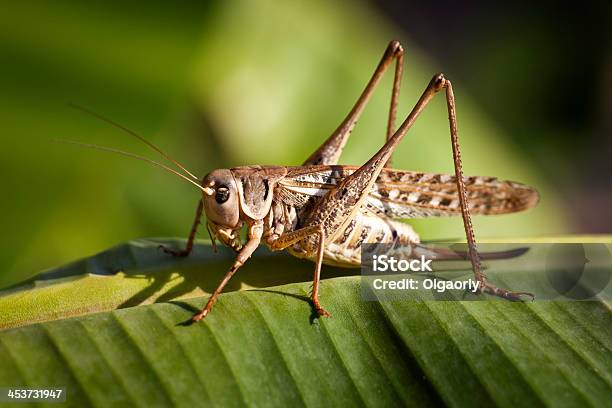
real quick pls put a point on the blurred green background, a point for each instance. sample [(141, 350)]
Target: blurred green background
[(220, 84)]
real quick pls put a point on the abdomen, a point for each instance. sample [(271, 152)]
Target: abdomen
[(345, 249)]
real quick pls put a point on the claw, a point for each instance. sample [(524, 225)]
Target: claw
[(321, 312), (516, 296), (506, 294), (199, 316)]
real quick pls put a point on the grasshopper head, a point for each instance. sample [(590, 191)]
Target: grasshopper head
[(220, 198), (221, 204)]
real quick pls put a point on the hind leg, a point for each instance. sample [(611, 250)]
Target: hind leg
[(330, 150)]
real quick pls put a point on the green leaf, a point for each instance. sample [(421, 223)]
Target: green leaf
[(263, 346), (138, 273)]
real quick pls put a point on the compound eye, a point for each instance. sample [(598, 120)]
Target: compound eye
[(222, 194)]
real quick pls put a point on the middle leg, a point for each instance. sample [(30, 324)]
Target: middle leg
[(290, 238)]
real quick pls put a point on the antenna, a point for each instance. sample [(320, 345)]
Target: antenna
[(132, 133), (133, 156)]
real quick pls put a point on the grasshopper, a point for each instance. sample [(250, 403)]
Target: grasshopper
[(323, 212)]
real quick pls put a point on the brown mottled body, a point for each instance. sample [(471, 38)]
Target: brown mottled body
[(396, 194), (324, 212)]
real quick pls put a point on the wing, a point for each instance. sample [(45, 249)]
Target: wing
[(408, 194)]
